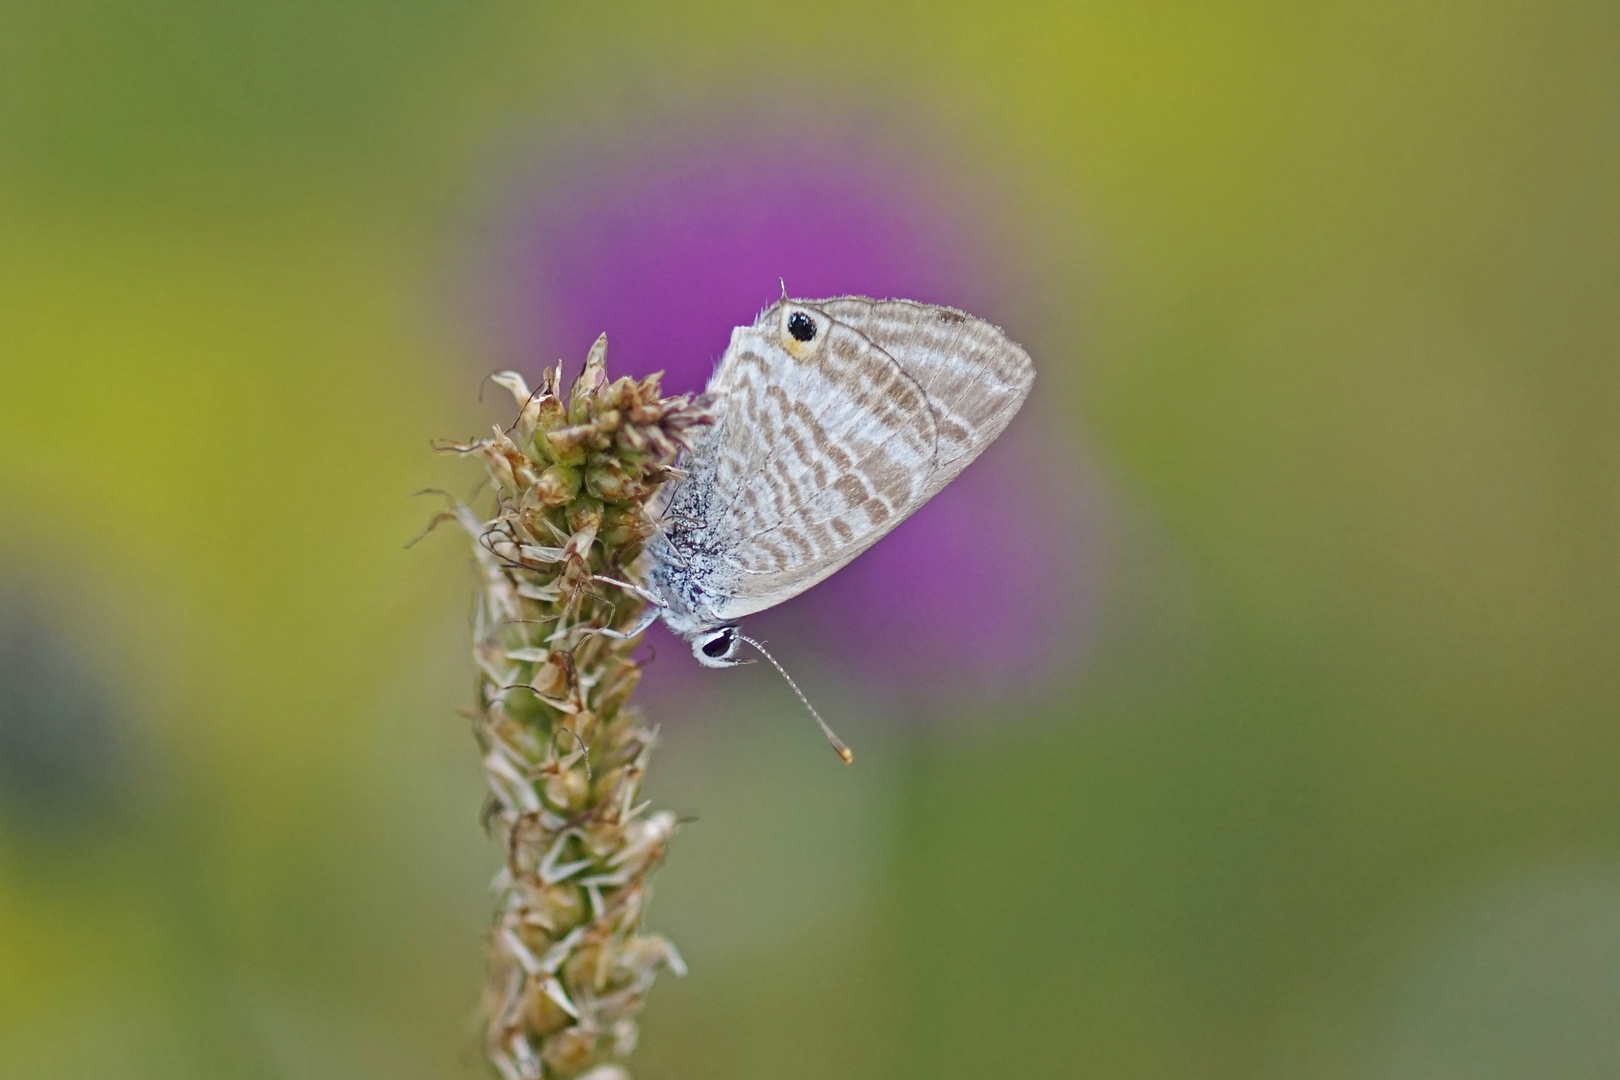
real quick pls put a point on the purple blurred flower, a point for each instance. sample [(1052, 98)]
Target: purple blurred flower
[(668, 252)]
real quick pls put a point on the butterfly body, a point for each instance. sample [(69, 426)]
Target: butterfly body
[(834, 420)]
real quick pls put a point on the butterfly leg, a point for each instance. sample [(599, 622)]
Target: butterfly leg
[(630, 587), (649, 614)]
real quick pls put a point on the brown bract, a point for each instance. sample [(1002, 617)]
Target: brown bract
[(563, 751)]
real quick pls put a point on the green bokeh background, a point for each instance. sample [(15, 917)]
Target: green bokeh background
[(1334, 795)]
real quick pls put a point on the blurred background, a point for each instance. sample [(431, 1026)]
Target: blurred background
[(1249, 711)]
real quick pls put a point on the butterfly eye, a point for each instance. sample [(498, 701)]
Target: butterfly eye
[(721, 644), (801, 326)]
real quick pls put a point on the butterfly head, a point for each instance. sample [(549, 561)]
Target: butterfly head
[(718, 648)]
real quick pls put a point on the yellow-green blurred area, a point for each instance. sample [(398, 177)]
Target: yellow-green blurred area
[(1328, 298)]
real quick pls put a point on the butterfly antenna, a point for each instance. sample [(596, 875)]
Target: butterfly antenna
[(837, 744)]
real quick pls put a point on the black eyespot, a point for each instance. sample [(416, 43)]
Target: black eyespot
[(801, 326), (719, 646)]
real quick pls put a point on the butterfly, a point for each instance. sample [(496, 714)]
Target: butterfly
[(834, 420)]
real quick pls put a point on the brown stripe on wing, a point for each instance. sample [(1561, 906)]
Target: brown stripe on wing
[(974, 376), (883, 451)]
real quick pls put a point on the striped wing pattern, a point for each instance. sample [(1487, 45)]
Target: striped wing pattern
[(820, 449)]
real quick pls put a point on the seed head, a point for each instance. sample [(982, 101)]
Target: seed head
[(563, 751)]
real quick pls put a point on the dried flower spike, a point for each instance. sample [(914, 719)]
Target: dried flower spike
[(563, 752)]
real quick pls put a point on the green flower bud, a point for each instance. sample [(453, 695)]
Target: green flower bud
[(569, 1051), (613, 481), (557, 485), (566, 791)]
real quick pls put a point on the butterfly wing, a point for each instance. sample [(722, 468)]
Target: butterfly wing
[(975, 378), (824, 445)]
